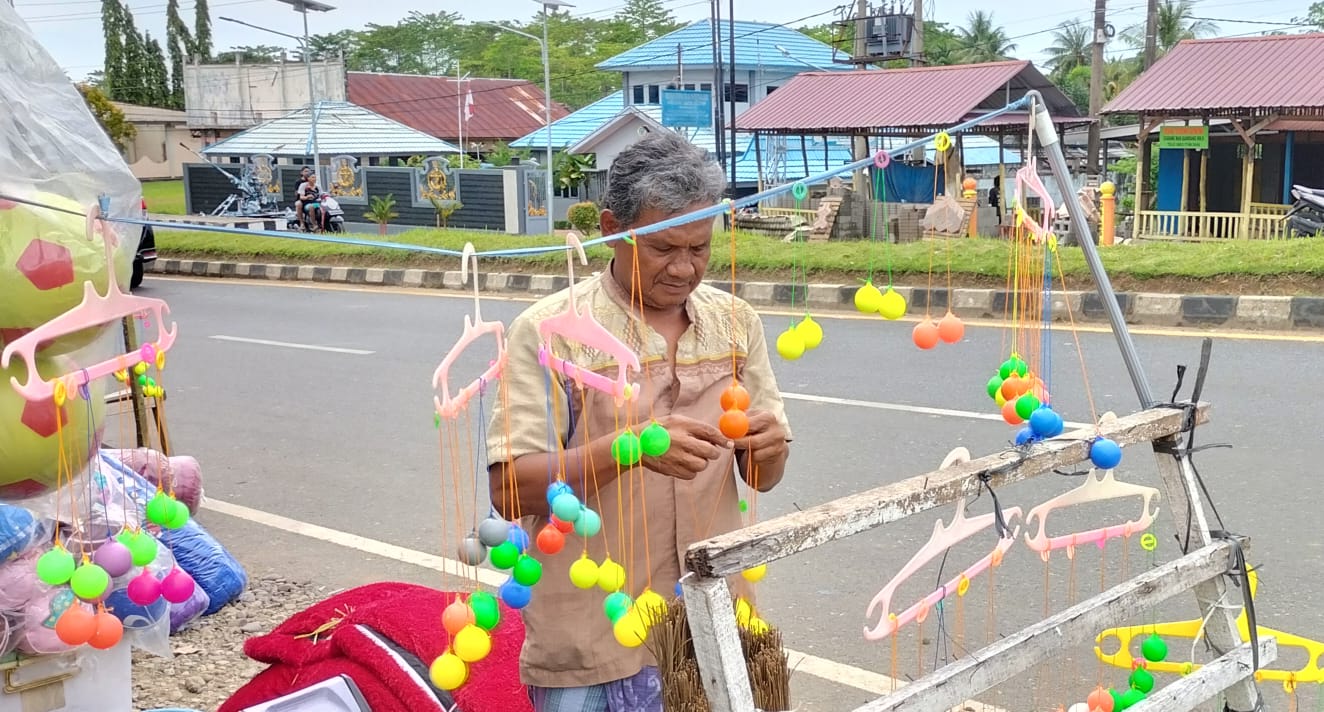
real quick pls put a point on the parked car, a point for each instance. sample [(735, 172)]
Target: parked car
[(146, 252)]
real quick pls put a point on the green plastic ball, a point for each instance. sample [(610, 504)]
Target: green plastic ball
[(1019, 365), (159, 509), (994, 384), (616, 605), (55, 567), (1005, 369), (89, 582), (505, 555), (486, 612), (142, 380), (528, 571), (744, 506), (1141, 680), (142, 546), (178, 515), (655, 440), (1026, 404), (1128, 699), (1154, 649), (625, 449)]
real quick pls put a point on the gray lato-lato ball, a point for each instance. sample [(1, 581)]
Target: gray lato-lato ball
[(494, 531), (472, 550)]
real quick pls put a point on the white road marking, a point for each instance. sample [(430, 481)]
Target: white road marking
[(901, 408), (289, 345), (835, 672)]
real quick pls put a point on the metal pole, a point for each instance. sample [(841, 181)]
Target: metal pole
[(1047, 135), (312, 97), (547, 116), (731, 43)]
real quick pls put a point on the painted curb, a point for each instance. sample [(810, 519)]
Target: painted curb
[(1243, 312)]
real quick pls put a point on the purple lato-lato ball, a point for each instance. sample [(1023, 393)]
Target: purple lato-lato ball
[(114, 557)]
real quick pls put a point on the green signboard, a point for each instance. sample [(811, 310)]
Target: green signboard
[(1186, 137)]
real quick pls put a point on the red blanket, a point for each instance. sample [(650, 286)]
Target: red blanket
[(384, 636)]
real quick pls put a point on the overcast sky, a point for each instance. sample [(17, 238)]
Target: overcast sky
[(71, 29)]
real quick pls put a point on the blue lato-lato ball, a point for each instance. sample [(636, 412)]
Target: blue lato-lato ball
[(132, 615)]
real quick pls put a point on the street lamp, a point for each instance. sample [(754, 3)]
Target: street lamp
[(547, 6), (304, 7)]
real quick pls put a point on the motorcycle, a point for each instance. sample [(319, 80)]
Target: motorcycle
[(1306, 218), (333, 216)]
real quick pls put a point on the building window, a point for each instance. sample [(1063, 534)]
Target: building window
[(771, 90), (705, 87), (654, 94), (741, 93), (689, 87), (637, 94)]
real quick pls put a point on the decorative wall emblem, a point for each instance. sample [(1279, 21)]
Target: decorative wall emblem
[(437, 182), (264, 172), (346, 178)]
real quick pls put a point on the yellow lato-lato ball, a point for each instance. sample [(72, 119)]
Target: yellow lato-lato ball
[(47, 257), (892, 305), (29, 439), (630, 630), (755, 574), (472, 644), (448, 671)]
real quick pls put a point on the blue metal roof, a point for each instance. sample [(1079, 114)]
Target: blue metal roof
[(756, 46), (572, 129), (342, 128)]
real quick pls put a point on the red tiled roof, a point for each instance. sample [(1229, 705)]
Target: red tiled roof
[(503, 109), (920, 99), (1243, 76)]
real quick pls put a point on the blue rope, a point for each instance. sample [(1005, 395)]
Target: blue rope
[(709, 212)]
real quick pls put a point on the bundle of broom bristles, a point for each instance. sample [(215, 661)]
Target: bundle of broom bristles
[(682, 685)]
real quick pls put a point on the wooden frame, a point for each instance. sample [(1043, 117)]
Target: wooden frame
[(717, 643)]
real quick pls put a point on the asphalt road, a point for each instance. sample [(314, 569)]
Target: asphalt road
[(345, 440)]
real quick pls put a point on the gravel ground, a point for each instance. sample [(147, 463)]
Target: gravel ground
[(209, 662)]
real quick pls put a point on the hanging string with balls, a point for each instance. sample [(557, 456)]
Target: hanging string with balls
[(805, 335), (868, 298)]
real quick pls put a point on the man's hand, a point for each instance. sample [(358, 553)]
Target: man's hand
[(766, 440), (694, 444)]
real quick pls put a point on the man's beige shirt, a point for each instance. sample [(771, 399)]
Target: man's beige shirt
[(648, 520)]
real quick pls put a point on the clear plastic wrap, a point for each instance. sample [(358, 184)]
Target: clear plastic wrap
[(58, 163)]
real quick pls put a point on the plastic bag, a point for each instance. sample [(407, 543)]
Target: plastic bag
[(55, 153), (945, 216), (20, 531), (184, 615), (181, 472)]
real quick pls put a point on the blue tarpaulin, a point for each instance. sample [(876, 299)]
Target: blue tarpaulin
[(910, 184)]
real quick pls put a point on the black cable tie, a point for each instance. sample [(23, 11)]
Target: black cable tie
[(1240, 572)]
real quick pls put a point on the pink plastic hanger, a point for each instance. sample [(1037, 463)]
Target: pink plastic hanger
[(1093, 490), (944, 537), (95, 310), (1028, 177), (449, 406), (586, 330)]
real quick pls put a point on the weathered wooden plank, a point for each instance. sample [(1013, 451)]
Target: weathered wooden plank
[(1209, 681), (1185, 504), (972, 675), (792, 533), (711, 614)]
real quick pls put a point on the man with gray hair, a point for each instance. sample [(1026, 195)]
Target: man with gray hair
[(694, 341)]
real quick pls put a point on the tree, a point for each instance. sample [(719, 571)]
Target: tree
[(650, 17), (132, 87), (942, 45), (260, 54), (1176, 22), (334, 45), (156, 90), (179, 47), (1076, 85), (112, 120), (201, 30), (1314, 16), (1071, 48), (982, 41), (112, 28)]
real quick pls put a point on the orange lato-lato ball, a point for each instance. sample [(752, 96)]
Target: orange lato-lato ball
[(925, 335), (951, 329), (735, 397), (1014, 386), (734, 424), (456, 617), (1009, 413)]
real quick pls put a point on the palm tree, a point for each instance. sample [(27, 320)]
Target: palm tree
[(1117, 73), (1071, 48), (1176, 22), (983, 41)]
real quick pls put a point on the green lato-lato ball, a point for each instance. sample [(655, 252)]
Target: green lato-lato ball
[(616, 605), (47, 258), (55, 567), (178, 515), (30, 433), (655, 440), (1142, 680), (486, 612), (528, 571), (994, 384), (626, 449), (505, 555), (160, 509), (1154, 649), (1026, 404), (89, 582)]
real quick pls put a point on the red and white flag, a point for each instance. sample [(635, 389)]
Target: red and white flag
[(469, 105)]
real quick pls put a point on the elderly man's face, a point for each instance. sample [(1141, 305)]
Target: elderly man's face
[(672, 262)]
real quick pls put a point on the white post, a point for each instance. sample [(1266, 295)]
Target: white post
[(312, 96), (547, 118)]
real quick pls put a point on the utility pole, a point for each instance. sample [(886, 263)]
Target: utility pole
[(917, 51), (731, 39), (719, 113), (859, 144), (1096, 85), (1151, 35)]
